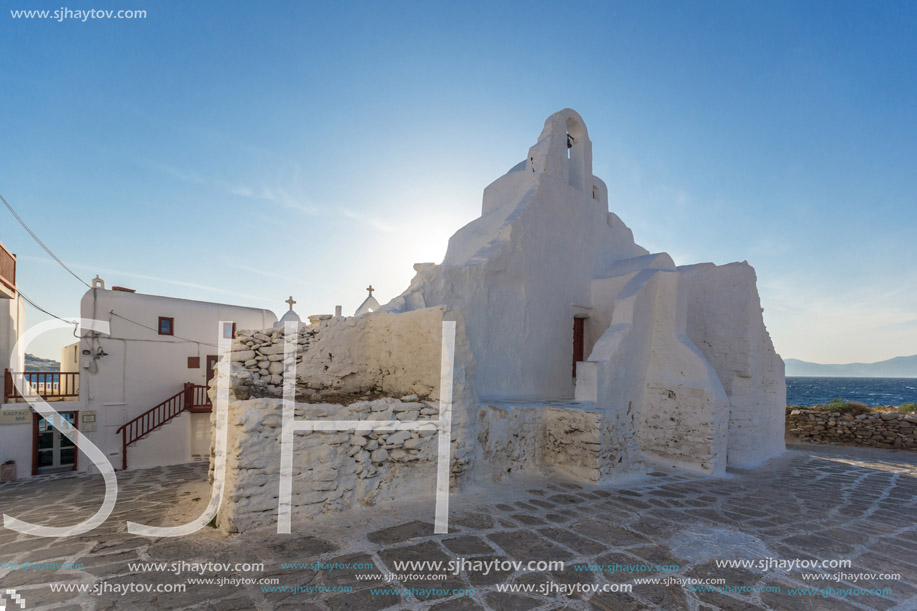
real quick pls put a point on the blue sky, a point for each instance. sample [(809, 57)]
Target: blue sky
[(243, 152)]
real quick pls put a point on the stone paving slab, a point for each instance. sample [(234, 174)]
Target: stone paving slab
[(815, 503)]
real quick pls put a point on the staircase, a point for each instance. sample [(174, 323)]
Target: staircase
[(191, 398)]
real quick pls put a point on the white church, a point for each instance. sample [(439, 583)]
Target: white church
[(559, 302), (577, 352)]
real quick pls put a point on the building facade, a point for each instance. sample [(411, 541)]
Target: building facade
[(12, 313), (155, 359)]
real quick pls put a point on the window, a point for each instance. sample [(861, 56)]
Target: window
[(576, 154), (166, 326), (194, 362)]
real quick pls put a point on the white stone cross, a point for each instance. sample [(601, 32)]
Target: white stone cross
[(291, 302)]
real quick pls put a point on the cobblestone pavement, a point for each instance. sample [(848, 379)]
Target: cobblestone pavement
[(814, 503)]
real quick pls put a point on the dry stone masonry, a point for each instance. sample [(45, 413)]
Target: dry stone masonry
[(382, 367), (350, 357), (332, 471), (875, 429)]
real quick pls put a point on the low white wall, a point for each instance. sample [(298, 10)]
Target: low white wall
[(332, 471), (170, 444), (511, 439), (353, 368), (578, 439), (16, 442)]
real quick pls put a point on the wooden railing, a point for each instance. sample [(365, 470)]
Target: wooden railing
[(192, 397), (200, 400), (52, 385), (7, 268)]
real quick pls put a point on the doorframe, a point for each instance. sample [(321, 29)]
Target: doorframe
[(76, 450), (211, 360), (579, 340)]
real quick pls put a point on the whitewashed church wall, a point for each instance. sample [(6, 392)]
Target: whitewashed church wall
[(725, 321)]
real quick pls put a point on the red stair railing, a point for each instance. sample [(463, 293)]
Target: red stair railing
[(200, 400), (192, 397)]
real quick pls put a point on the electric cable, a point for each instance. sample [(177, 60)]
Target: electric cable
[(41, 309), (42, 244)]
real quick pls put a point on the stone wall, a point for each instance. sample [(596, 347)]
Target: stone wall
[(390, 354), (579, 440), (376, 367), (876, 429), (332, 471)]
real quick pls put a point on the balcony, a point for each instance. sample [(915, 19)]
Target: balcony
[(48, 385), (7, 273)]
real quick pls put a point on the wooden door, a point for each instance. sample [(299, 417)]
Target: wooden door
[(211, 361), (579, 329)]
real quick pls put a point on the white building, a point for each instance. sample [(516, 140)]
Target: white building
[(369, 304), (156, 346), (560, 302), (12, 315), (12, 320), (575, 351)]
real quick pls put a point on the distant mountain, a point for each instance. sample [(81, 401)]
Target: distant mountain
[(34, 363), (898, 367)]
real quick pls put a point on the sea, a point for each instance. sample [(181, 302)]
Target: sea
[(871, 391)]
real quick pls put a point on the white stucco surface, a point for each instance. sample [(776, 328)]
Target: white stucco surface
[(679, 355), (143, 368), (676, 366), (12, 324), (725, 321)]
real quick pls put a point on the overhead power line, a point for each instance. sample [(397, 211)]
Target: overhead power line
[(43, 245), (41, 309), (72, 273), (75, 323)]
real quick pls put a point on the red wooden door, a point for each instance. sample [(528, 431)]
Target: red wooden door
[(579, 327), (211, 361)]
